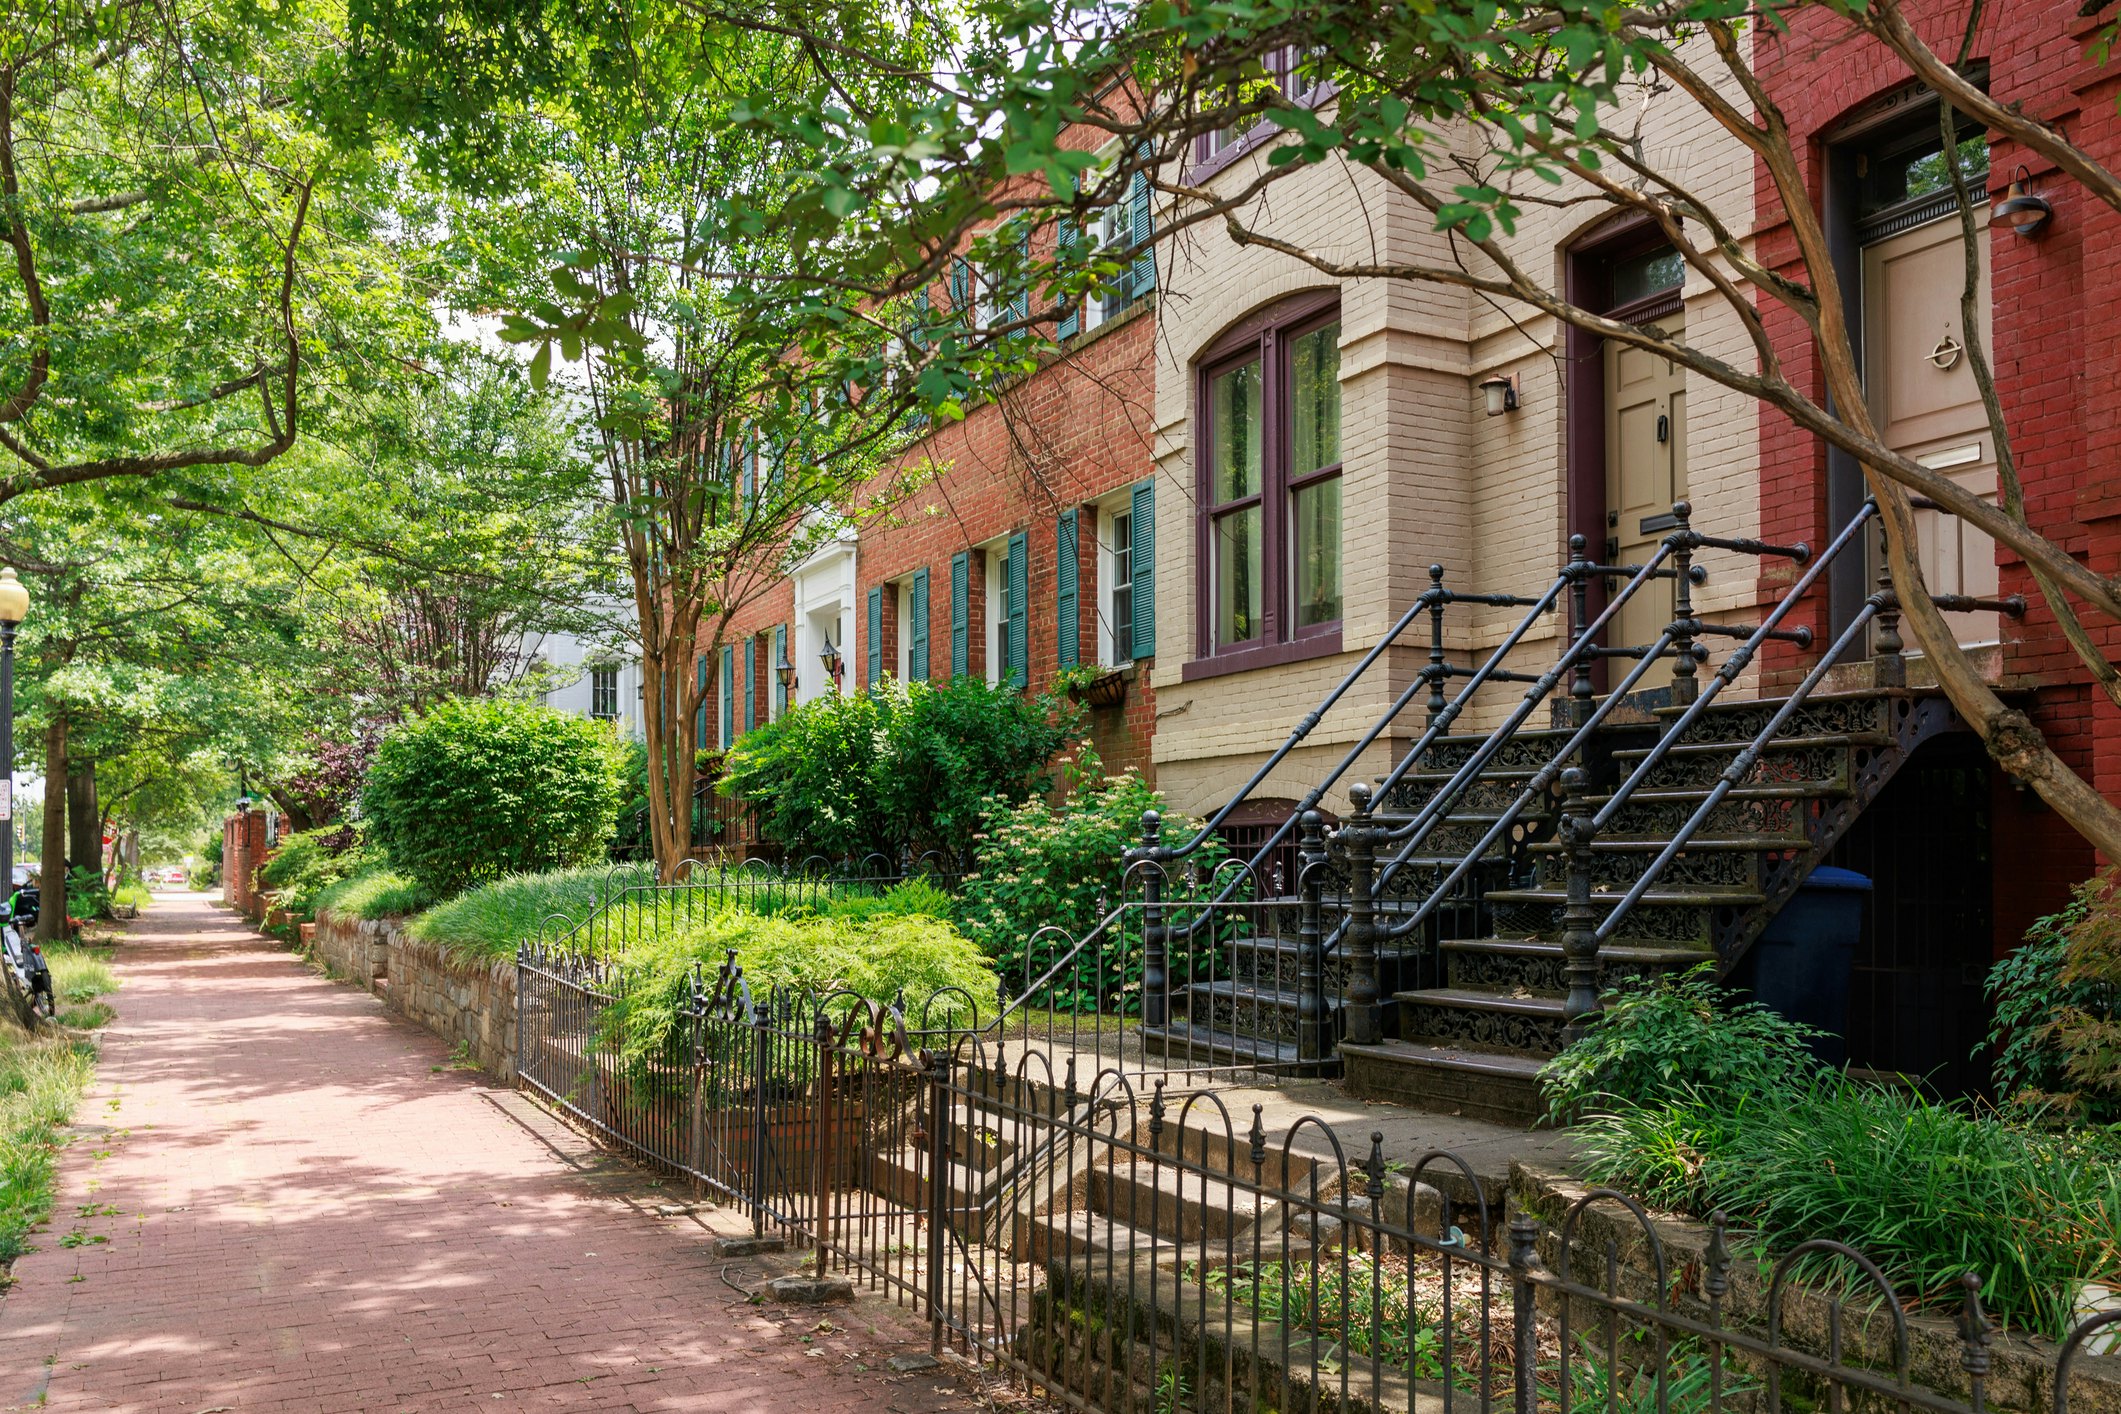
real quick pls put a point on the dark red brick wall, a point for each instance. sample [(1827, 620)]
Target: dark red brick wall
[(2057, 360), (1075, 431)]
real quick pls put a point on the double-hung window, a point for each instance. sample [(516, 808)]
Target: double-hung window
[(1269, 401), (1288, 70), (604, 694), (1116, 579)]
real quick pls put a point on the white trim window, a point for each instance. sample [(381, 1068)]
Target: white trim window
[(996, 628), (1115, 583)]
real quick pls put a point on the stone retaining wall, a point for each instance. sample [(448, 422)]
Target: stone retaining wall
[(472, 1006)]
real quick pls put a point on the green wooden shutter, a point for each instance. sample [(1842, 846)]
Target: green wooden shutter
[(917, 631), (699, 713), (1141, 530), (780, 656), (875, 654), (751, 694), (1071, 311), (1018, 655), (728, 694), (960, 286), (918, 334), (960, 613), (1141, 224), (1066, 575)]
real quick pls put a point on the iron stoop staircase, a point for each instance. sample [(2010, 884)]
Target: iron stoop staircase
[(1455, 930)]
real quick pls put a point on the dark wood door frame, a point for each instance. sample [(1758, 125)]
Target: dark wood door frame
[(1588, 282)]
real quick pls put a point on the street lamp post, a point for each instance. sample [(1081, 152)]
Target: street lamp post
[(14, 607)]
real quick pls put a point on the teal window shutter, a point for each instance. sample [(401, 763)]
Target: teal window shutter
[(1071, 312), (1018, 656), (960, 286), (1141, 225), (876, 636), (728, 694), (751, 694), (918, 334), (699, 715), (917, 631), (1141, 523), (780, 656), (960, 613), (1066, 575)]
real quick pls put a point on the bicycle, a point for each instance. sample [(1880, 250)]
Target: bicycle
[(28, 975)]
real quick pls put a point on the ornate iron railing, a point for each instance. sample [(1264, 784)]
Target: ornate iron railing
[(1120, 1248)]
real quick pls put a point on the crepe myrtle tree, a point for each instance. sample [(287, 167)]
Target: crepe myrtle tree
[(1476, 111)]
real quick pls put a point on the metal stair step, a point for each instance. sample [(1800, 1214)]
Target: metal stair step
[(1719, 746), (1538, 966), (1705, 841), (1465, 1017), (1458, 1080), (1607, 899), (1181, 1040)]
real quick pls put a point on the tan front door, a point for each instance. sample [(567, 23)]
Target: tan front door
[(1645, 471), (1921, 389)]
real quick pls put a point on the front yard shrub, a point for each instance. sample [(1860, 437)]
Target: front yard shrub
[(1041, 864), (1928, 1190), (1673, 1037), (851, 774), (923, 963), (2056, 1041), (309, 862), (476, 789)]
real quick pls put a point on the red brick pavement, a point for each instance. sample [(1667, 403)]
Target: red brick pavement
[(312, 1212)]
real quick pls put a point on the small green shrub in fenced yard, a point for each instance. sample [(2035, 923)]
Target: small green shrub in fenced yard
[(851, 774), (1672, 1037), (1928, 1190), (1041, 864), (476, 789), (939, 975), (377, 892), (2056, 1041)]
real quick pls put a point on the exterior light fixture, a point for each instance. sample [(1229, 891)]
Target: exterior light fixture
[(14, 599), (785, 670), (1500, 390), (2020, 209), (830, 657)]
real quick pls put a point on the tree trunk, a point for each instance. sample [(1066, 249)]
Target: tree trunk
[(51, 920), (84, 823)]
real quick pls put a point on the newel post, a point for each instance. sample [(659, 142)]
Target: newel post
[(1156, 971), (1364, 1005), (1579, 919)]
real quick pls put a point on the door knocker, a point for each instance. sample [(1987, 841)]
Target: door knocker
[(1946, 354)]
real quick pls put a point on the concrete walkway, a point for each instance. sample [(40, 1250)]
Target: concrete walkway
[(284, 1199)]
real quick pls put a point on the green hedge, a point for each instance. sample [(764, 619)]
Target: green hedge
[(378, 892), (476, 789)]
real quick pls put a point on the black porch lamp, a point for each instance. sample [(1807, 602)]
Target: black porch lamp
[(785, 670), (830, 657)]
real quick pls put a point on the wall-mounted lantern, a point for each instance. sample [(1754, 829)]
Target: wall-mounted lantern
[(1501, 394), (2020, 209), (830, 657)]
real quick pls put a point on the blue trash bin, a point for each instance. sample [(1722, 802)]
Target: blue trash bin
[(1802, 963)]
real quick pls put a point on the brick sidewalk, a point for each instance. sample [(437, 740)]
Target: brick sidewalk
[(306, 1209)]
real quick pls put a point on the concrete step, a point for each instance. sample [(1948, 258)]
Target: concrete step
[(1173, 1202)]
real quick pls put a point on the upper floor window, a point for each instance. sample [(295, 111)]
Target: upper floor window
[(604, 694), (1290, 71), (1271, 459)]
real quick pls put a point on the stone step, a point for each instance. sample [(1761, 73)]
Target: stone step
[(1531, 965), (1521, 1025), (1174, 1203), (1050, 1237), (1479, 1084)]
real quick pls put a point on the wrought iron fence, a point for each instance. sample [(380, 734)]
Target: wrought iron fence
[(1126, 1247)]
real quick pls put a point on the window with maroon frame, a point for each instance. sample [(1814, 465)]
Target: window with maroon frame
[(1288, 69), (1270, 480)]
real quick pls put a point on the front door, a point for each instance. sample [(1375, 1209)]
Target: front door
[(1920, 386), (1645, 472)]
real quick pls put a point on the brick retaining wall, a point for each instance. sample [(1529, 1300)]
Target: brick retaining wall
[(473, 1006)]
